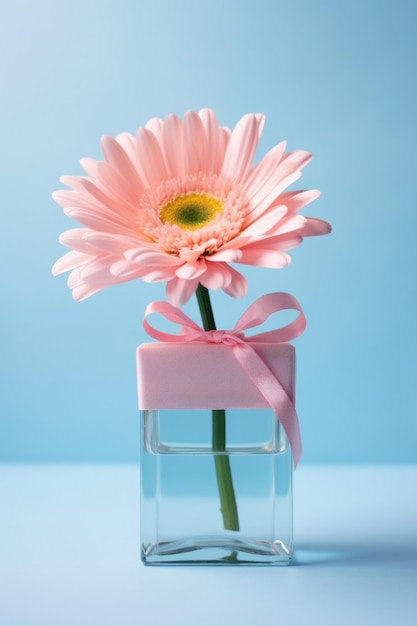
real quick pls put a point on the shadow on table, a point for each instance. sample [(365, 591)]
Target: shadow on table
[(355, 554)]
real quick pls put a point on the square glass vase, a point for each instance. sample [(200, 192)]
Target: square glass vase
[(184, 503)]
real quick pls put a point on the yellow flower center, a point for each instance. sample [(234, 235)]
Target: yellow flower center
[(190, 211)]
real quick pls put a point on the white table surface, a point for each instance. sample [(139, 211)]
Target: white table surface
[(69, 554)]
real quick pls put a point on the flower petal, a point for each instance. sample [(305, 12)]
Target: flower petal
[(122, 268), (155, 125), (111, 186), (264, 224), (74, 238), (128, 143), (230, 255), (98, 222), (289, 224), (218, 276), (195, 144), (157, 275), (83, 291), (238, 285), (189, 255), (242, 146), (151, 256), (97, 271), (191, 270), (180, 290), (296, 160), (224, 135), (268, 195), (121, 208), (211, 127), (152, 164), (116, 156), (296, 200), (265, 258), (263, 170), (276, 243), (314, 227), (173, 145), (69, 261), (108, 242)]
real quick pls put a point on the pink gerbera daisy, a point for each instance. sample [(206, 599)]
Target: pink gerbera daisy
[(180, 202)]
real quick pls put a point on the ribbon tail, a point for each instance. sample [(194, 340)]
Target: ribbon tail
[(273, 392)]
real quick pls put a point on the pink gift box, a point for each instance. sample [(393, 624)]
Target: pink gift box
[(199, 375)]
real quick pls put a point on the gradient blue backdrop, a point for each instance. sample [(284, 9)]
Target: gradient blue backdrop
[(335, 78)]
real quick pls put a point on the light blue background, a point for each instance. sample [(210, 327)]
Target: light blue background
[(335, 78)]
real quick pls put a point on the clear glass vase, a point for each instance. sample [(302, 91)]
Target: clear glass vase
[(181, 516)]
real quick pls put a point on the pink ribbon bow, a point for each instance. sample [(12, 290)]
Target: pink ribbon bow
[(254, 366)]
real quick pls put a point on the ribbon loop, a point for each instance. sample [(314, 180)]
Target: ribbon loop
[(247, 357)]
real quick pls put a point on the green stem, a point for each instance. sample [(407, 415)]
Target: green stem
[(228, 505)]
